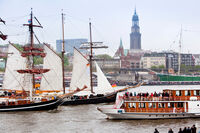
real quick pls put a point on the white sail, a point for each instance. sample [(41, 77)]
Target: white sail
[(103, 85), (52, 80), (80, 72), (12, 79)]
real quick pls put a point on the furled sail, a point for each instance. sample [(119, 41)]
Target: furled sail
[(52, 80), (80, 72), (103, 85), (12, 79)]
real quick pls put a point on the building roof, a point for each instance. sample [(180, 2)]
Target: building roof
[(135, 16)]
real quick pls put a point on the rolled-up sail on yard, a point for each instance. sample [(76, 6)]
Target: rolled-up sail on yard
[(12, 79), (52, 80), (80, 73)]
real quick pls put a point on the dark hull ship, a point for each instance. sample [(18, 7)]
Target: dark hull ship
[(77, 100), (46, 105)]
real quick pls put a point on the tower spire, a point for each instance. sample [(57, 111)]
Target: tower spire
[(135, 10)]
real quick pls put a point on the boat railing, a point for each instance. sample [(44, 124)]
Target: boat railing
[(160, 110), (150, 98)]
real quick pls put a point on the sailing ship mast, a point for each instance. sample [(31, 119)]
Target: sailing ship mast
[(90, 59), (63, 54), (30, 52), (91, 46), (179, 55)]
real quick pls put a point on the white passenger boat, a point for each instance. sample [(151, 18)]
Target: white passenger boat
[(168, 104)]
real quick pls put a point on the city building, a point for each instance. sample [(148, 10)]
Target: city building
[(172, 60), (197, 59), (153, 60), (135, 35), (69, 45)]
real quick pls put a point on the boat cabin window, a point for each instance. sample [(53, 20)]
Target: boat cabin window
[(171, 105), (150, 105), (196, 93), (178, 93), (154, 105), (142, 105), (132, 105), (180, 105), (160, 105), (187, 93)]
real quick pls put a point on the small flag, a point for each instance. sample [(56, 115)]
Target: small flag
[(114, 85), (29, 21), (88, 64)]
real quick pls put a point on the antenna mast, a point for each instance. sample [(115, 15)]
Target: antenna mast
[(179, 55)]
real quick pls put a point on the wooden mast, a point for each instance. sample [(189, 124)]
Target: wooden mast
[(32, 46), (90, 59), (63, 54), (92, 45)]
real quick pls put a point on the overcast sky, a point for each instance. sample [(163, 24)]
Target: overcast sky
[(160, 22)]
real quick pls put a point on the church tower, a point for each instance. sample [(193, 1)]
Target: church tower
[(135, 36)]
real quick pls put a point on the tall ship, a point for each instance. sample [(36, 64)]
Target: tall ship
[(170, 103), (19, 91), (82, 79)]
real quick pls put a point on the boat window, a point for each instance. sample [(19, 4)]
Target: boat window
[(150, 105), (180, 105), (195, 92), (163, 105), (159, 105), (134, 105), (178, 93), (171, 105), (142, 105), (154, 105), (187, 93), (168, 104), (130, 105)]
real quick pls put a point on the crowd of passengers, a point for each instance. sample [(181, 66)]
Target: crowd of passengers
[(145, 96)]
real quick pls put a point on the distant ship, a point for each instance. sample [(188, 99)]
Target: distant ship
[(173, 77)]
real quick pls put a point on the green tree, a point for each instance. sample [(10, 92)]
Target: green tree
[(66, 62)]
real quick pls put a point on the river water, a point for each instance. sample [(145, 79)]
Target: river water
[(84, 119)]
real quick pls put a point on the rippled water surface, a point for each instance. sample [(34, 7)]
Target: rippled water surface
[(84, 119)]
